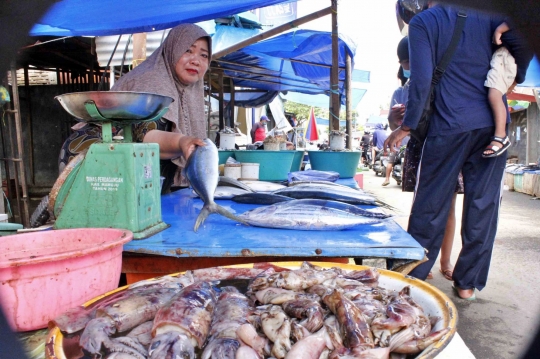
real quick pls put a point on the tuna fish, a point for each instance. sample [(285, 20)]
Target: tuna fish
[(202, 172), (307, 217)]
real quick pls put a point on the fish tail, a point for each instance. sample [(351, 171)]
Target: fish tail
[(225, 213), (205, 211)]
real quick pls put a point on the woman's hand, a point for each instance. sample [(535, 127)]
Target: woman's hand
[(187, 145), (173, 144)]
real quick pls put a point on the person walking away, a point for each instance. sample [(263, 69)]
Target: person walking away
[(459, 131), (258, 132), (379, 136), (500, 80)]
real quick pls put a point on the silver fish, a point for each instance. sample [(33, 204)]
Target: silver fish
[(304, 217), (331, 192), (202, 172), (375, 213), (231, 182), (260, 198)]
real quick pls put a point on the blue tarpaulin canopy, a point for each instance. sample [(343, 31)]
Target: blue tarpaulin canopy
[(105, 17), (297, 61)]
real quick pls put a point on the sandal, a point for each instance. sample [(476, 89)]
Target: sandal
[(494, 150), (447, 273), (456, 292)]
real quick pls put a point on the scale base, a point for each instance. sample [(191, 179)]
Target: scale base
[(148, 232)]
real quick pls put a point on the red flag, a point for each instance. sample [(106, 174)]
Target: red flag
[(311, 132)]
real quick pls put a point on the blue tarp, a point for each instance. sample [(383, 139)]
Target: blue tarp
[(532, 79), (105, 17), (297, 61)]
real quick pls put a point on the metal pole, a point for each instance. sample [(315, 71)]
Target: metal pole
[(334, 73), (348, 100), (231, 102), (18, 131)]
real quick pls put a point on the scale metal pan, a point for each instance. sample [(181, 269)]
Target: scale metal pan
[(115, 106)]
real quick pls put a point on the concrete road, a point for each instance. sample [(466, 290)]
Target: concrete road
[(506, 314)]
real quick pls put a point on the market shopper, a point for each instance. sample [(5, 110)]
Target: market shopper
[(412, 160), (258, 132), (460, 128), (176, 69), (377, 141)]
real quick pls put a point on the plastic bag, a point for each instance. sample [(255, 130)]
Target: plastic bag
[(313, 175)]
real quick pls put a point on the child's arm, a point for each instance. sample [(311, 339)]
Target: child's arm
[(501, 29)]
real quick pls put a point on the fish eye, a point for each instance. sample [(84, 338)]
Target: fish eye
[(155, 345), (184, 355)]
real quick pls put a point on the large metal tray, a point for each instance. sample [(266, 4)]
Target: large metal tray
[(115, 106), (434, 302)]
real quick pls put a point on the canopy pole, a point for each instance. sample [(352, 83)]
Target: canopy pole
[(221, 120), (20, 153), (334, 72), (139, 49), (348, 100), (231, 102), (272, 32)]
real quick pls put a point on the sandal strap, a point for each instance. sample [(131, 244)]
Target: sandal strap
[(501, 140)]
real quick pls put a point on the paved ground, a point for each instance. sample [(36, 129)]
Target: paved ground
[(501, 322)]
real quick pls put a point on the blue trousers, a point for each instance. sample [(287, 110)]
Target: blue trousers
[(442, 159)]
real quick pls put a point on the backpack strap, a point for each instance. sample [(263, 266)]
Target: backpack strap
[(440, 69)]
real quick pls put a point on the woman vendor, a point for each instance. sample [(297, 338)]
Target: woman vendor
[(176, 69)]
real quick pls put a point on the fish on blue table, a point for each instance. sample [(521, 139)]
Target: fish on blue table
[(330, 192), (307, 217), (202, 172)]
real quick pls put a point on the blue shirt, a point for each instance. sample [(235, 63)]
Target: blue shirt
[(461, 100), (379, 136)]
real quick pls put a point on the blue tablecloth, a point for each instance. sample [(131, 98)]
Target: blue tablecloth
[(221, 237)]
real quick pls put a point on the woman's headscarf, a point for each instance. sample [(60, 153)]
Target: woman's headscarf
[(157, 75)]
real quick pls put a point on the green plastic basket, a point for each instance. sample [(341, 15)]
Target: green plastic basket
[(273, 165), (224, 154), (345, 163)]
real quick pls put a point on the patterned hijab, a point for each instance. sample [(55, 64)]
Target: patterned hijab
[(156, 75)]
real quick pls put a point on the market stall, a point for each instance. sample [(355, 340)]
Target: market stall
[(221, 241)]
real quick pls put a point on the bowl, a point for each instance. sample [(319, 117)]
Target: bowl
[(224, 154), (115, 106), (342, 162), (42, 274), (274, 165), (434, 302)]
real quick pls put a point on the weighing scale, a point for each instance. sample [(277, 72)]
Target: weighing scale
[(116, 183)]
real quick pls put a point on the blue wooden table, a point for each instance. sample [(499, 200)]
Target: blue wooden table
[(221, 237)]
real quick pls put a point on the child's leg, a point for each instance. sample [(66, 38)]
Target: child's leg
[(499, 116), (499, 112)]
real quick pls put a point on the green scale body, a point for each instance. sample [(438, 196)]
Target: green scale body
[(117, 182), (117, 185)]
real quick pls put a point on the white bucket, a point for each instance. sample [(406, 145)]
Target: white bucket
[(337, 142), (226, 141), (271, 146), (233, 170), (250, 171)]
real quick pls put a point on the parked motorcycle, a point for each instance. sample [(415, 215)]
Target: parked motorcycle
[(379, 166)]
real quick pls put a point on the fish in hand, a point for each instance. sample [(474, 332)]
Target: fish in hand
[(202, 172)]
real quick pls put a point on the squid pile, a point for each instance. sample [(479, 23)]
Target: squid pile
[(256, 313)]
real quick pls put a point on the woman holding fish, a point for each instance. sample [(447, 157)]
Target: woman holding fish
[(176, 69)]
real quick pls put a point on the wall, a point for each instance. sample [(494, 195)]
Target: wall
[(517, 132), (533, 133)]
